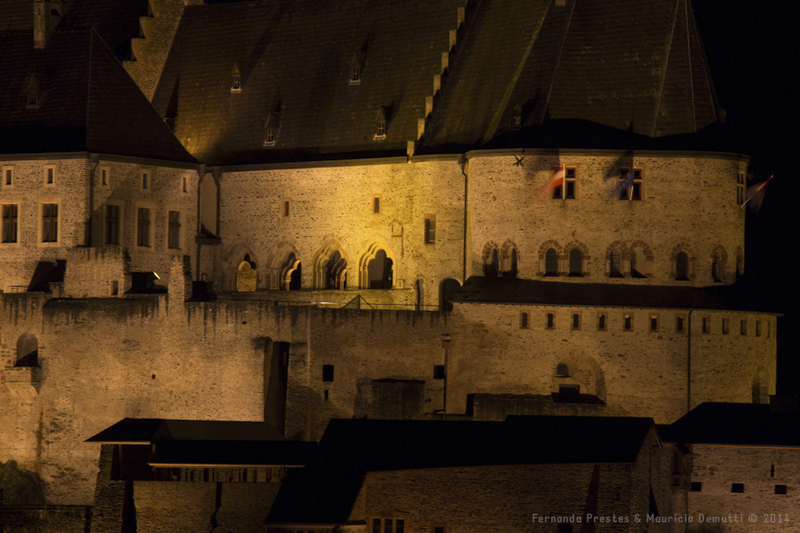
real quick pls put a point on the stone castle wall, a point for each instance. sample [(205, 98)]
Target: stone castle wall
[(689, 204)]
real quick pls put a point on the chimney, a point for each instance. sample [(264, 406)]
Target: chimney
[(46, 16)]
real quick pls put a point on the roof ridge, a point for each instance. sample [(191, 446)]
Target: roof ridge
[(665, 69)]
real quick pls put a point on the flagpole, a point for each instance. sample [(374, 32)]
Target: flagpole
[(758, 188)]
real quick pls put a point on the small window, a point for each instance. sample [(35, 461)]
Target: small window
[(575, 263), (551, 262), (34, 100), (682, 266), (726, 326), (438, 371), (10, 223), (653, 322), (380, 125), (576, 321), (615, 264), (524, 320), (438, 529), (376, 525), (49, 222), (327, 373), (679, 320), (737, 487), (627, 322), (376, 204), (143, 227), (8, 177), (50, 175), (601, 322), (551, 321), (630, 184), (285, 208), (769, 328), (113, 220), (430, 229), (185, 186), (562, 370), (567, 191), (743, 327), (758, 328), (780, 489), (145, 181), (399, 525), (236, 82), (355, 71), (696, 486), (104, 176), (740, 188), (706, 324), (174, 230)]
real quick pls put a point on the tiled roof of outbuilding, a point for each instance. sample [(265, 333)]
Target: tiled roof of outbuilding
[(634, 65), (87, 101)]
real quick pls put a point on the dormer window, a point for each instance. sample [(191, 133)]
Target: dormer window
[(355, 68), (380, 125), (34, 97), (236, 84), (272, 126)]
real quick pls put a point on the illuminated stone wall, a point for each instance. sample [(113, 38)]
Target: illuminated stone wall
[(717, 468), (689, 203)]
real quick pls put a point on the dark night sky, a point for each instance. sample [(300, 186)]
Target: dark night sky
[(754, 54)]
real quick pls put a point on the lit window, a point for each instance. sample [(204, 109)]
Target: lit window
[(430, 229), (630, 185), (143, 227), (10, 223), (112, 224), (174, 233)]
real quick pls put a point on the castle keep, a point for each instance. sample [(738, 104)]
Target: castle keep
[(297, 211)]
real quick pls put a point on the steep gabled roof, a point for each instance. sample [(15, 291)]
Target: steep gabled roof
[(148, 430), (633, 65), (295, 58), (87, 101)]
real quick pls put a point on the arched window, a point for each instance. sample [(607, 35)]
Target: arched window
[(336, 272), (291, 274), (575, 263), (715, 270), (491, 268), (615, 267), (380, 271), (513, 268), (27, 351), (551, 262), (562, 370), (636, 271), (682, 266)]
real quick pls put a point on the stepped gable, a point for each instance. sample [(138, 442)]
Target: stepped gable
[(645, 72), (294, 59), (87, 102)]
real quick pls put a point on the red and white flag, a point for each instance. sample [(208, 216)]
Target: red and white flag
[(557, 180), (754, 196)]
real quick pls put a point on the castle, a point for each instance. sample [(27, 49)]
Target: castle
[(299, 211)]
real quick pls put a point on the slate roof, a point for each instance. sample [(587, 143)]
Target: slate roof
[(742, 424), (635, 66), (88, 101), (350, 448), (536, 292), (147, 430)]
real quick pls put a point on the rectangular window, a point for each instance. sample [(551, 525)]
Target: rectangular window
[(438, 529), (726, 325), (758, 328), (145, 180), (576, 321), (524, 320), (49, 222), (740, 188), (430, 229), (551, 321), (112, 224), (285, 208), (327, 373), (174, 236), (50, 175), (737, 487), (185, 184), (631, 186), (568, 191), (376, 204), (696, 486), (653, 322), (8, 176), (376, 525), (627, 322), (399, 525), (10, 222), (438, 371), (143, 227), (743, 327), (706, 325), (601, 322), (780, 489), (104, 176), (387, 525), (679, 324)]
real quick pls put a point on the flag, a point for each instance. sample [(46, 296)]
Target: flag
[(557, 180), (623, 185), (755, 195)]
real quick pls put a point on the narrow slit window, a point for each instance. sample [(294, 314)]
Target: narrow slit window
[(601, 322), (706, 325), (627, 322), (576, 321), (524, 320), (679, 324), (376, 204), (285, 210), (430, 229), (50, 175), (758, 328), (653, 323), (551, 321), (145, 181), (726, 325), (743, 327), (143, 227), (8, 176)]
